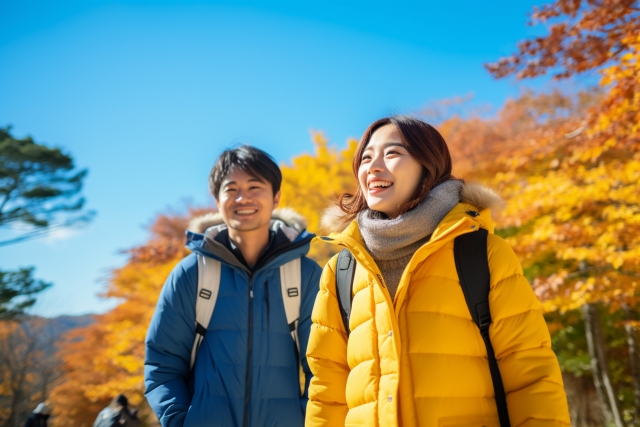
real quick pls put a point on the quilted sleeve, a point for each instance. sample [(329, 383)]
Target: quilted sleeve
[(520, 337), (168, 345), (327, 356)]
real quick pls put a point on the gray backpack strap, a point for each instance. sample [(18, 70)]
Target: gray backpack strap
[(208, 286), (290, 278), (346, 268), (290, 284)]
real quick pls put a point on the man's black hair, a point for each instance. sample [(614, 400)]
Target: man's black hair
[(248, 159)]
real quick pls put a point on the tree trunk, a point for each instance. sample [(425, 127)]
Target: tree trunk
[(584, 406), (633, 362), (599, 365)]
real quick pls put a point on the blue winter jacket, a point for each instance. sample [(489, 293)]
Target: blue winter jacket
[(247, 369)]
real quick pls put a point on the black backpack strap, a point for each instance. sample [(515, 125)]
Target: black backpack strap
[(346, 268), (472, 264)]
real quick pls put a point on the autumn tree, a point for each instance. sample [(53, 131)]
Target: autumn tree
[(585, 204)]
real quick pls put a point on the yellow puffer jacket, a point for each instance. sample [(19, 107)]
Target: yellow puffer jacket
[(419, 360)]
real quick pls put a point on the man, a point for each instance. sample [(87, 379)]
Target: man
[(247, 368)]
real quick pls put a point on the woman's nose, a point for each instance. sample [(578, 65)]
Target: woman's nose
[(377, 164)]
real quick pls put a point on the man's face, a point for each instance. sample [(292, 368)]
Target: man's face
[(246, 202)]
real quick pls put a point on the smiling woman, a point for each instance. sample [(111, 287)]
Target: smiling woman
[(406, 349)]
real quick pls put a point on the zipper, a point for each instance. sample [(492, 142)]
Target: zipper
[(265, 323), (247, 394)]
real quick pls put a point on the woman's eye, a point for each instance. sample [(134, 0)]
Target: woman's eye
[(365, 157), (392, 152)]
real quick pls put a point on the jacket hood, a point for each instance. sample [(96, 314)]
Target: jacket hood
[(472, 193), (290, 221)]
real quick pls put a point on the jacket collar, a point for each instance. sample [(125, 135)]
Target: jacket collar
[(202, 231)]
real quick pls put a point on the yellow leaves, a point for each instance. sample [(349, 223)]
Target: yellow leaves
[(314, 181)]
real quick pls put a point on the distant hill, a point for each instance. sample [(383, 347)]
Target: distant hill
[(54, 328), (61, 324)]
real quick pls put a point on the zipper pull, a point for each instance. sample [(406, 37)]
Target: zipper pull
[(250, 293)]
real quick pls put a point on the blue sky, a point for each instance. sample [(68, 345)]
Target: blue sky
[(146, 95)]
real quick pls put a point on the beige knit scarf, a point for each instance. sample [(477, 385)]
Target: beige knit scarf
[(392, 242)]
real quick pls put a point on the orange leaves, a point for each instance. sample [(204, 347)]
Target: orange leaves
[(581, 37)]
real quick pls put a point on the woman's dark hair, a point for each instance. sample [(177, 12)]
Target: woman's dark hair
[(423, 142), (248, 159)]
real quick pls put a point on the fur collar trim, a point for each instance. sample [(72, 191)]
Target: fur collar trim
[(289, 220), (334, 220)]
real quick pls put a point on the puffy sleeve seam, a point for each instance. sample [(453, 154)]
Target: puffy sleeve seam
[(509, 277), (546, 380)]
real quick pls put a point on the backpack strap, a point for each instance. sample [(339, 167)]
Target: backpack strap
[(290, 285), (290, 278), (344, 285), (208, 286), (472, 264)]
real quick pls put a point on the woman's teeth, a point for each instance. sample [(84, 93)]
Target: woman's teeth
[(376, 184)]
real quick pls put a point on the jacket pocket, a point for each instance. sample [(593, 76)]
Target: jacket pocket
[(469, 421)]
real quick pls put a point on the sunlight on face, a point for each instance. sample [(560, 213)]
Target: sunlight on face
[(246, 202), (388, 175)]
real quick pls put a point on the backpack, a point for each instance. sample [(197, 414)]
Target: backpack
[(472, 265), (209, 271)]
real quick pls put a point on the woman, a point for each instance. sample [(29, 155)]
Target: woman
[(414, 356)]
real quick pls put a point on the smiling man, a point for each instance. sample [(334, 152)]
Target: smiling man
[(245, 366)]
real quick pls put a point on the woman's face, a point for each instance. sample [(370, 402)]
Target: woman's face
[(388, 175)]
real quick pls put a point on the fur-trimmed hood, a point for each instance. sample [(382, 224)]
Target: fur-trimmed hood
[(334, 220), (290, 221)]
